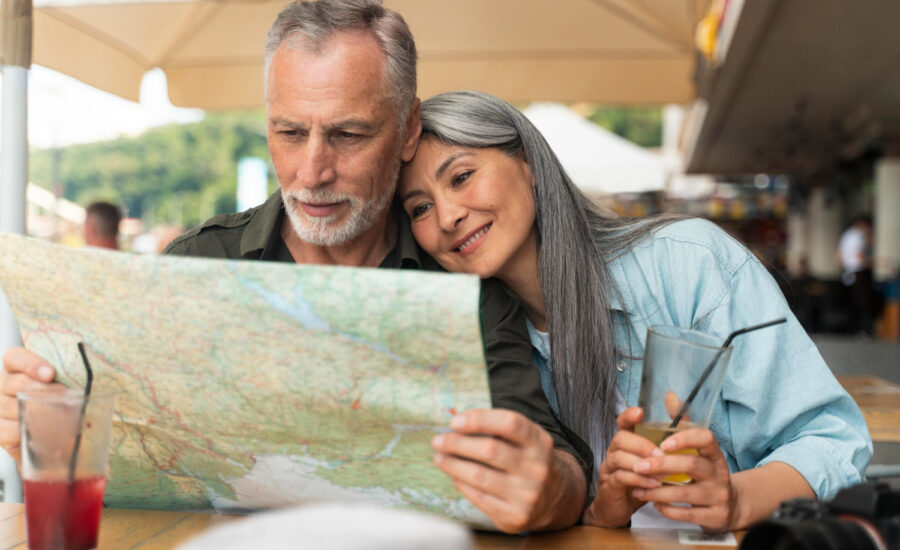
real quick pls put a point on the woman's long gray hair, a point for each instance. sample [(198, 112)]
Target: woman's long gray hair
[(576, 240)]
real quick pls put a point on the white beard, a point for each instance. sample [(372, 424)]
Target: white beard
[(324, 231)]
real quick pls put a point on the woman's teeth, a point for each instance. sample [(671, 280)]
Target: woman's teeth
[(473, 238)]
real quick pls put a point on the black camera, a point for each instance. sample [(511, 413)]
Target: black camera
[(862, 517)]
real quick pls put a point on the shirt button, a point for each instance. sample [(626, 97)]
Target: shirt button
[(621, 365)]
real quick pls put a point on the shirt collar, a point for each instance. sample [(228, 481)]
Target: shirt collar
[(620, 299), (406, 253), (263, 231)]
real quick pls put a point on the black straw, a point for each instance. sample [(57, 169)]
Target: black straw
[(87, 393), (712, 364)]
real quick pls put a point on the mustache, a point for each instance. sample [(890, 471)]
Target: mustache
[(317, 196)]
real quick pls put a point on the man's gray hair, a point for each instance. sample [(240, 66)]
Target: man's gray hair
[(314, 23)]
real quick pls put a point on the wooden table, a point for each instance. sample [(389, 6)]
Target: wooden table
[(879, 401), (153, 530)]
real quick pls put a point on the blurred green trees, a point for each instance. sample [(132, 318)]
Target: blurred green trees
[(640, 125), (176, 174)]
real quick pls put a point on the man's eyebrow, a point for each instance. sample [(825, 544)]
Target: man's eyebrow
[(447, 162), (352, 124), (281, 121)]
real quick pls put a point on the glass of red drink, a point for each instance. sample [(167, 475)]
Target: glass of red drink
[(63, 499)]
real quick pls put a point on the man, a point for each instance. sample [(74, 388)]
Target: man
[(855, 253), (101, 225), (342, 116)]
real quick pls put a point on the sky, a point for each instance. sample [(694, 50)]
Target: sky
[(63, 111)]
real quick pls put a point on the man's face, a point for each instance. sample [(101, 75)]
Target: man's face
[(334, 137)]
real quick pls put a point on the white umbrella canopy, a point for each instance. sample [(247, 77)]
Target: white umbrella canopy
[(598, 161), (607, 51)]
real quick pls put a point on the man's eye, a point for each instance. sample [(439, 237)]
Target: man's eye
[(348, 135), (419, 211), (460, 178), (290, 133)]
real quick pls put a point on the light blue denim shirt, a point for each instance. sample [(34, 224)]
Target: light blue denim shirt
[(780, 402)]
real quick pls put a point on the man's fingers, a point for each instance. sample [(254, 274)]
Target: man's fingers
[(492, 451), (20, 360), (476, 475), (15, 383), (9, 408), (494, 507), (9, 436), (12, 384), (502, 423)]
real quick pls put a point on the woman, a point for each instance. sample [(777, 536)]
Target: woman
[(486, 195)]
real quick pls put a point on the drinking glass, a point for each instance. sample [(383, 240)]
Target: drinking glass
[(674, 361), (63, 498)]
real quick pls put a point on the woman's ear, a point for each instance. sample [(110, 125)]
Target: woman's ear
[(525, 166)]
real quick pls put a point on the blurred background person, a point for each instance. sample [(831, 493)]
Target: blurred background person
[(101, 225), (855, 253)]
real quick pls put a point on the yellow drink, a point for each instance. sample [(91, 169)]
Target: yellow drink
[(657, 432)]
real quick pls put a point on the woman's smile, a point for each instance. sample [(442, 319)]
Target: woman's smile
[(471, 242)]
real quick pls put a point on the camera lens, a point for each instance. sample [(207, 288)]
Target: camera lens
[(821, 534)]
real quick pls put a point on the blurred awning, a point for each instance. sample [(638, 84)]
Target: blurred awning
[(606, 51), (797, 87), (598, 161)]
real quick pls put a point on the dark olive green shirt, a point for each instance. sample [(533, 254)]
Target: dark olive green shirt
[(514, 381)]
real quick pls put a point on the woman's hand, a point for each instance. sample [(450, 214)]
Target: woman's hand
[(506, 465), (615, 502), (712, 496)]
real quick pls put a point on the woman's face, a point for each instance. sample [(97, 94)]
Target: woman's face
[(472, 210)]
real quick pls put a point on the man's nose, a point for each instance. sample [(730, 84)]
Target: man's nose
[(317, 165)]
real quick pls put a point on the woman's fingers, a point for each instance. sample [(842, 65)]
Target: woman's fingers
[(701, 439), (697, 467), (625, 478), (712, 519), (708, 494), (629, 418)]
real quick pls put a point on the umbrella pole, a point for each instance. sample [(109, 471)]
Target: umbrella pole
[(15, 59), (13, 180), (13, 177)]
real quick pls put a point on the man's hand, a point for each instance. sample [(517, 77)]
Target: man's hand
[(506, 466), (712, 496), (614, 502), (22, 370)]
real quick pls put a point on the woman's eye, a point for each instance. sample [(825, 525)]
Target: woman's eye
[(460, 178), (419, 210)]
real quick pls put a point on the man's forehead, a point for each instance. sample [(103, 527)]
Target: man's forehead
[(355, 55), (349, 71)]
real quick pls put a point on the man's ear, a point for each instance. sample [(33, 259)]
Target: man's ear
[(413, 132)]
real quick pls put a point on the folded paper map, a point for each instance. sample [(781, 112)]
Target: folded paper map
[(246, 384)]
